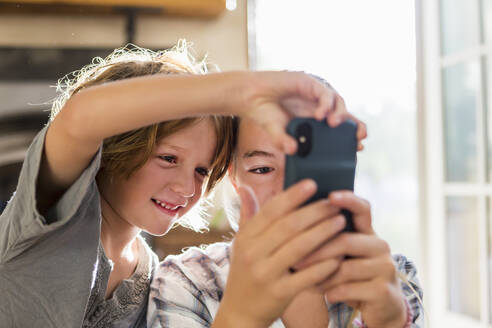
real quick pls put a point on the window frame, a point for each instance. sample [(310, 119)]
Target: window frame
[(433, 187)]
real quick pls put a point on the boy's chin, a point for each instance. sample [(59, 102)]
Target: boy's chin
[(158, 230)]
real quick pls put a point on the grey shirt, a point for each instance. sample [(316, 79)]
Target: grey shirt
[(53, 270)]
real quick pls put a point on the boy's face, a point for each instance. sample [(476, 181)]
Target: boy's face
[(168, 184), (258, 163)]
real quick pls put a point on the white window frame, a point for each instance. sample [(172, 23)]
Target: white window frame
[(433, 188)]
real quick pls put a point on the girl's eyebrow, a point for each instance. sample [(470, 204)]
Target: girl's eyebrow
[(253, 153)]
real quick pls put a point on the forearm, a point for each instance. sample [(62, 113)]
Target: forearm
[(106, 110), (234, 316), (225, 319)]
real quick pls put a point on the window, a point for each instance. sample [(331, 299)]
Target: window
[(366, 50), (455, 43)]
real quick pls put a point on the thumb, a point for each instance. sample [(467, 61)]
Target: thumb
[(249, 204), (281, 139)]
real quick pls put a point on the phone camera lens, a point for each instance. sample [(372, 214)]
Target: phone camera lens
[(304, 136)]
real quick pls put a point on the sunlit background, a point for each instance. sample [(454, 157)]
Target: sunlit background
[(366, 50)]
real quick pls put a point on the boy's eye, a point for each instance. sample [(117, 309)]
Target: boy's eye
[(202, 171), (261, 170), (169, 158)]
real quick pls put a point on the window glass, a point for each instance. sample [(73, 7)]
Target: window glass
[(458, 26), (462, 256), (460, 87), (487, 20)]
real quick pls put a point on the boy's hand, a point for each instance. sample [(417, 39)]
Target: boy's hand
[(273, 98)]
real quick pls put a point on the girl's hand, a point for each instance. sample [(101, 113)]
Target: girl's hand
[(260, 284), (273, 98), (367, 280)]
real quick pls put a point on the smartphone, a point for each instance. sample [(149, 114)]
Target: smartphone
[(325, 154)]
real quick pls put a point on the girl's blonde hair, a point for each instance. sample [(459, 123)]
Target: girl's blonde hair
[(123, 154)]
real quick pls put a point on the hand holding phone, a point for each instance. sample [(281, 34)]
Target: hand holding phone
[(325, 154)]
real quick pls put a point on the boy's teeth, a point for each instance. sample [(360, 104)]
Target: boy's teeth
[(166, 206)]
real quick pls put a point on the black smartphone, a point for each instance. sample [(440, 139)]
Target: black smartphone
[(325, 154)]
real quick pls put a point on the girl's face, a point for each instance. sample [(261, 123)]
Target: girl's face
[(258, 163), (168, 184)]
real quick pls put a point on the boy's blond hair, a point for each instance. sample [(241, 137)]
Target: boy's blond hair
[(123, 154)]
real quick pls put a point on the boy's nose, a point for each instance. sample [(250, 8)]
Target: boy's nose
[(184, 185)]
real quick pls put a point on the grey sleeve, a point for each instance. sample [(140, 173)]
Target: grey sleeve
[(21, 225)]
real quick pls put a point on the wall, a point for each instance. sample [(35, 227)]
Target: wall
[(223, 38)]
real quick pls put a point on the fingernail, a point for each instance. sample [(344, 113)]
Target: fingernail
[(340, 221), (336, 196), (309, 185)]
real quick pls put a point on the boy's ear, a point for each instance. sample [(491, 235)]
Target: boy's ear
[(232, 177)]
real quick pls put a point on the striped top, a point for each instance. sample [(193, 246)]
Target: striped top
[(187, 289)]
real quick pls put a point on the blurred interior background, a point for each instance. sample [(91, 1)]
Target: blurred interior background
[(417, 72)]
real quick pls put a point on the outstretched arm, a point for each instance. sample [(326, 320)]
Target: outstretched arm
[(106, 110), (102, 111)]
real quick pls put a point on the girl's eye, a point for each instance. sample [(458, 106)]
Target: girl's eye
[(169, 158), (202, 171), (261, 170)]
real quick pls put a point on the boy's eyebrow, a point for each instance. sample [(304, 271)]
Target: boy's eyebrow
[(177, 148), (253, 153)]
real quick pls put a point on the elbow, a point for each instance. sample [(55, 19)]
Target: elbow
[(75, 122)]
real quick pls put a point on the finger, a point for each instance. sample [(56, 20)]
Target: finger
[(282, 204), (361, 129), (309, 277), (249, 204), (298, 106), (293, 224), (299, 84), (362, 291), (361, 135), (356, 245), (359, 207), (351, 292), (339, 114), (289, 144), (326, 102), (326, 97), (280, 138), (273, 118), (300, 246), (311, 89), (360, 269)]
